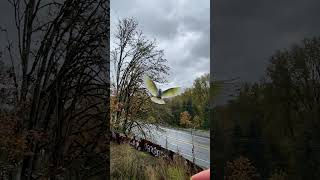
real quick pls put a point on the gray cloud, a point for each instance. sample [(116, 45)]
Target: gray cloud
[(247, 33), (181, 29)]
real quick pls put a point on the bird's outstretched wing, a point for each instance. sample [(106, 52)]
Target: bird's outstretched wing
[(157, 100), (170, 92), (151, 86)]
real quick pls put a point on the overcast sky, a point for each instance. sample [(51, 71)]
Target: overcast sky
[(247, 32), (6, 22), (182, 29)]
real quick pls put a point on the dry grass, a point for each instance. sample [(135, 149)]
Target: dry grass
[(128, 163)]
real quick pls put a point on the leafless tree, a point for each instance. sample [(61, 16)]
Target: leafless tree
[(132, 57), (60, 66)]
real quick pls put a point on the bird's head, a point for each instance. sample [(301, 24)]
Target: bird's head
[(159, 93)]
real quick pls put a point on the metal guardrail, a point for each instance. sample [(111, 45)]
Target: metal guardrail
[(194, 150), (154, 149), (192, 156), (187, 142)]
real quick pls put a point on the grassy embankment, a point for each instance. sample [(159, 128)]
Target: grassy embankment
[(129, 163)]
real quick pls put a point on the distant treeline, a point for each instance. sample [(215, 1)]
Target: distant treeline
[(270, 130)]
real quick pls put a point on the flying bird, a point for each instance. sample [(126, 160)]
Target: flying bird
[(158, 94)]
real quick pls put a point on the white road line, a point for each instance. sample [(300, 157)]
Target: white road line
[(187, 134), (188, 142), (181, 149)]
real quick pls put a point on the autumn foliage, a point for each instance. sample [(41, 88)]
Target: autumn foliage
[(185, 119)]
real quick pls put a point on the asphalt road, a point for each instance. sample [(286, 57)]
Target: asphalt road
[(180, 141)]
